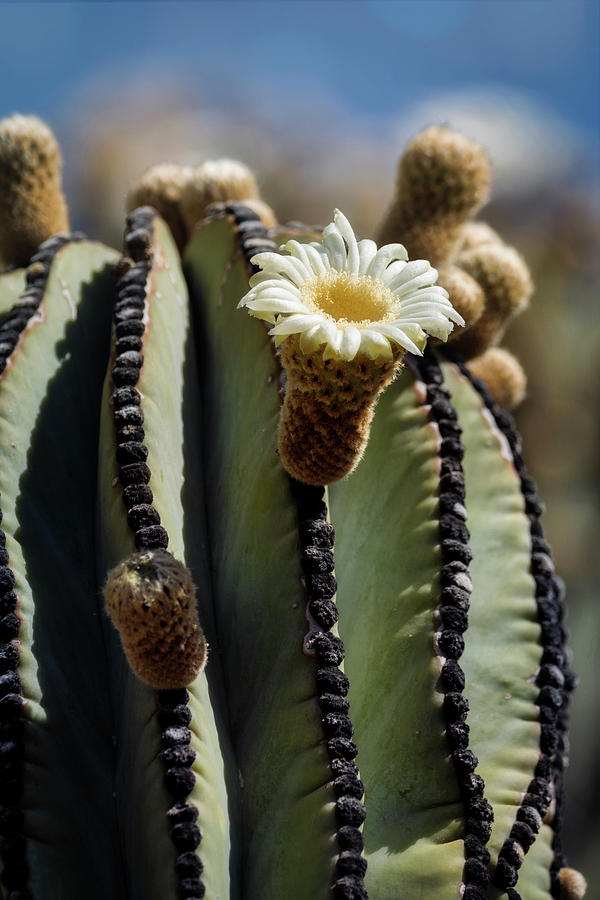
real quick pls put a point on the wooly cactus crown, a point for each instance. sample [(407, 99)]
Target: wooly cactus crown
[(382, 707)]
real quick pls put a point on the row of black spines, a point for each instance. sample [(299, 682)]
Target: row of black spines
[(316, 537), (36, 276), (453, 611), (129, 326), (555, 679), (252, 234), (174, 714), (12, 845)]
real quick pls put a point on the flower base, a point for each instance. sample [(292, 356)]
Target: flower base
[(327, 411)]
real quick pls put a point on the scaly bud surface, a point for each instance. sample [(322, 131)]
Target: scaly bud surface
[(150, 599)]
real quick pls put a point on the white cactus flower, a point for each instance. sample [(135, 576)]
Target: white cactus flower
[(349, 297)]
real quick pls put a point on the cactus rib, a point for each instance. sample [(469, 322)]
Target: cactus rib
[(131, 314), (555, 678), (316, 541), (453, 608), (12, 844)]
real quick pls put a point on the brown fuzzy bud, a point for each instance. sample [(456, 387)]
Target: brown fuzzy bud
[(503, 375), (443, 179), (161, 187), (327, 412), (502, 274), (572, 884), (465, 294), (214, 181), (150, 599), (476, 234), (32, 204)]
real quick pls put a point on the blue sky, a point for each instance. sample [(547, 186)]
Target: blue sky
[(372, 57)]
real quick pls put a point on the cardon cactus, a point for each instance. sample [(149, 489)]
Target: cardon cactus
[(149, 428)]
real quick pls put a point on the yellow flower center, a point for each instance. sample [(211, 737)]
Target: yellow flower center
[(349, 299)]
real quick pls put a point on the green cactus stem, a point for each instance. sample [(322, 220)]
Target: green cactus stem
[(173, 804), (406, 620), (55, 716)]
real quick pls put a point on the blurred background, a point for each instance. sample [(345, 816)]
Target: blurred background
[(319, 99)]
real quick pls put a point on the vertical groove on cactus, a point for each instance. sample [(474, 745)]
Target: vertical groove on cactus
[(453, 620), (316, 540), (131, 315), (14, 874), (554, 679)]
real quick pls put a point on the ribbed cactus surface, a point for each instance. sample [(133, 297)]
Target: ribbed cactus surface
[(382, 711)]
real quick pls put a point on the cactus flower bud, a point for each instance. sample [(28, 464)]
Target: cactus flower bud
[(150, 599)]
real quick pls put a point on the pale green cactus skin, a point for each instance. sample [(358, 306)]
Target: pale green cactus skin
[(94, 803)]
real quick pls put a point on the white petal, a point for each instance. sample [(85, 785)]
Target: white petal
[(311, 339), (278, 305), (375, 344), (436, 326), (366, 251), (419, 283), (335, 246), (416, 273), (281, 288), (294, 324), (332, 350), (299, 251), (392, 271), (317, 335), (319, 260), (385, 256), (284, 265), (399, 337), (350, 343), (433, 295), (416, 308), (270, 279), (347, 232)]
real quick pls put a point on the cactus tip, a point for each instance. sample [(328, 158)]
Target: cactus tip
[(442, 173), (443, 179), (32, 204), (503, 374), (161, 187), (150, 599), (573, 885), (214, 181)]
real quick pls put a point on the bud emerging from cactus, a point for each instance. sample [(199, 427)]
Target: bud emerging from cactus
[(443, 179), (503, 375), (506, 285), (150, 599), (572, 884), (32, 204), (346, 313), (214, 181), (162, 187)]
